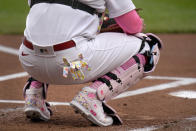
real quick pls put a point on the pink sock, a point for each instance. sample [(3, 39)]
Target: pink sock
[(124, 66), (36, 84)]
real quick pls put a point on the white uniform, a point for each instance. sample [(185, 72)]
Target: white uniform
[(50, 24)]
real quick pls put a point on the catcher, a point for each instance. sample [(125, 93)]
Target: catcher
[(63, 45)]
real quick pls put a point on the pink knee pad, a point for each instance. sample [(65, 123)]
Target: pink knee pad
[(153, 55)]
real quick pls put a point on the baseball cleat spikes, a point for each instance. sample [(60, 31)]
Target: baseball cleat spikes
[(35, 105), (35, 115)]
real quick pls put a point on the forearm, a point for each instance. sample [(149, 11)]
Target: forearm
[(131, 23)]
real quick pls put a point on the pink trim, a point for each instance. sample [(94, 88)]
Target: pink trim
[(131, 23), (131, 62), (92, 112), (36, 84), (128, 64), (91, 95), (96, 84)]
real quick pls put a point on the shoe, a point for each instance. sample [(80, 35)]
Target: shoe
[(35, 106), (87, 103)]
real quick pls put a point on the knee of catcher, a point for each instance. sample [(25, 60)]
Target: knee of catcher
[(120, 82), (153, 55)]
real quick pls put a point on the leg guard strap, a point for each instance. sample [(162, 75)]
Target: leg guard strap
[(114, 77)]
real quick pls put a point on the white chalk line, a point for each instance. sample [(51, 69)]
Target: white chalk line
[(151, 128), (184, 94), (24, 74), (22, 102), (7, 110), (13, 76), (191, 119), (8, 50), (169, 78), (160, 87)]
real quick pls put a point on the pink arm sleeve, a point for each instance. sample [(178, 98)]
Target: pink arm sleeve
[(130, 22)]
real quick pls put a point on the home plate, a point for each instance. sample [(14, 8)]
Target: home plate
[(185, 94)]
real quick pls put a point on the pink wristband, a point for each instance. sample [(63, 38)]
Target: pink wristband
[(130, 22)]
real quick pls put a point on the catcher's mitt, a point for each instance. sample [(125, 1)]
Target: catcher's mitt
[(109, 25)]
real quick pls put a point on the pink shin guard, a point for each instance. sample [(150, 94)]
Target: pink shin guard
[(128, 74), (120, 79)]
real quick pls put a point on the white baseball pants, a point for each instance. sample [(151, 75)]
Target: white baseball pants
[(103, 54)]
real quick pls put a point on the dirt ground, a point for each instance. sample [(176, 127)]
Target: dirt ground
[(155, 110)]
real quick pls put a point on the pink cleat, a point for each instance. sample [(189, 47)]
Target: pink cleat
[(35, 106), (88, 104)]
